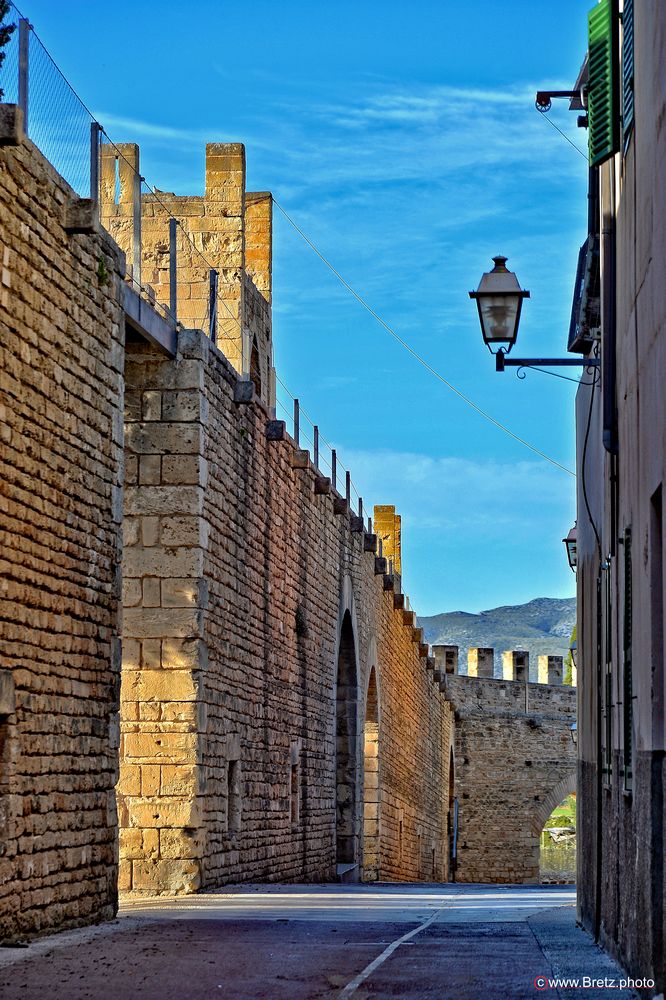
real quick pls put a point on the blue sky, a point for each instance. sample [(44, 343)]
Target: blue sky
[(403, 139)]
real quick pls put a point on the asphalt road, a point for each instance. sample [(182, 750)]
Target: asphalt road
[(308, 942)]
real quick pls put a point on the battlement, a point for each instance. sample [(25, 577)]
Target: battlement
[(227, 229), (515, 664)]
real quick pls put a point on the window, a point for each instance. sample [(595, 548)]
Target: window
[(627, 696), (233, 796), (255, 367), (294, 794), (607, 731)]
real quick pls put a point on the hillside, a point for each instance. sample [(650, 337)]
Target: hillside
[(540, 626)]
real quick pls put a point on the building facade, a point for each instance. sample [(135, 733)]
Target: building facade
[(619, 316)]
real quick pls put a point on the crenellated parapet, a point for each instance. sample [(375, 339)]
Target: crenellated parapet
[(515, 761), (227, 230), (515, 664)]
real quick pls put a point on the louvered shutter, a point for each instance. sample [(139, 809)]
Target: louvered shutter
[(627, 66), (603, 85)]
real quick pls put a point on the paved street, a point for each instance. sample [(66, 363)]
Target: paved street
[(307, 942)]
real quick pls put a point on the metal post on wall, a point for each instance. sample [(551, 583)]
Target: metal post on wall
[(24, 62), (348, 488), (334, 468), (316, 446), (297, 421), (95, 139), (136, 229), (212, 305), (173, 272)]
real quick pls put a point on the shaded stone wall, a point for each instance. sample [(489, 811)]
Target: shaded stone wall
[(61, 426), (514, 763), (231, 750)]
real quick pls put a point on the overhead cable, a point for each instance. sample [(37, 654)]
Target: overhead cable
[(415, 354)]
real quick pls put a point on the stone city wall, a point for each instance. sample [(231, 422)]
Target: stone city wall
[(61, 359), (515, 761), (278, 716)]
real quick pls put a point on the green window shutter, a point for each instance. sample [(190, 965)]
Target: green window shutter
[(627, 66), (603, 86)]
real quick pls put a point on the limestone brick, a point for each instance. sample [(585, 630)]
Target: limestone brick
[(61, 471), (265, 774), (515, 762)]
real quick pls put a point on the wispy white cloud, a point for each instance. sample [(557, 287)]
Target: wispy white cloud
[(461, 494), (136, 127), (495, 522)]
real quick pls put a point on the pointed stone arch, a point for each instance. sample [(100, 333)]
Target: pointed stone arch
[(346, 758), (565, 786), (371, 784), (451, 818)]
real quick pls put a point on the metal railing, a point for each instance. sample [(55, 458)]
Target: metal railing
[(324, 456)]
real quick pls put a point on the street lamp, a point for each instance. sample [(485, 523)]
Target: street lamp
[(499, 299), (571, 545), (573, 652), (573, 729)]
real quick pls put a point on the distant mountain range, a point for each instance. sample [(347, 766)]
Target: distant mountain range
[(542, 626)]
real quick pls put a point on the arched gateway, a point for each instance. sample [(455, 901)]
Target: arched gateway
[(371, 782)]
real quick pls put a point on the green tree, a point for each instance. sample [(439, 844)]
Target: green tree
[(6, 31)]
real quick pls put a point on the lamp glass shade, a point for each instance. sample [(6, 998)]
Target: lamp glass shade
[(499, 299), (571, 545), (573, 729)]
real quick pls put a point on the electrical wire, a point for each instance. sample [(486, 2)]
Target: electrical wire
[(582, 469), (416, 355), (345, 283), (563, 134)]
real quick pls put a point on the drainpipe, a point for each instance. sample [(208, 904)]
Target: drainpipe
[(608, 332), (600, 783)]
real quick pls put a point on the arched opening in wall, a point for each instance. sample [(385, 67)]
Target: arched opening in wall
[(346, 831), (371, 783), (255, 367), (557, 848), (452, 819)]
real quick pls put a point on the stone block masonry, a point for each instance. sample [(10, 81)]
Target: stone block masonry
[(279, 721), (61, 392), (515, 761), (226, 228)]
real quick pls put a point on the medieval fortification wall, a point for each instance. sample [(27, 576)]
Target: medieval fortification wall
[(61, 363), (279, 720)]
